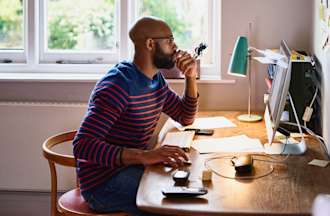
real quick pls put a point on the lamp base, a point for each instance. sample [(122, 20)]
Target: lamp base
[(249, 118)]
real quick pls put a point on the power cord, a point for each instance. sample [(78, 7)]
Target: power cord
[(309, 110), (208, 166), (317, 137)]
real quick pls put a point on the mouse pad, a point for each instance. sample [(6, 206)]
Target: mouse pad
[(224, 167)]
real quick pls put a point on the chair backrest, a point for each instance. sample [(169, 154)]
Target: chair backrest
[(57, 158), (65, 160), (52, 156)]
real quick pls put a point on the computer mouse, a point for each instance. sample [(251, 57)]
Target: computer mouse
[(243, 164)]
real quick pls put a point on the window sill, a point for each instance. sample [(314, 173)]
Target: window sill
[(206, 79), (49, 77), (73, 73), (85, 77)]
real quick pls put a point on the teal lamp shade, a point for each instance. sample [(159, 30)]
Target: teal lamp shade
[(239, 58)]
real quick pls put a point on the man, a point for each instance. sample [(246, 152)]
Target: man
[(111, 146)]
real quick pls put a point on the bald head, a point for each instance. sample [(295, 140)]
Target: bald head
[(148, 27)]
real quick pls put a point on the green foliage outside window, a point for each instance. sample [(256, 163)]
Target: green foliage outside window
[(64, 29), (11, 23), (102, 23), (63, 33), (80, 24)]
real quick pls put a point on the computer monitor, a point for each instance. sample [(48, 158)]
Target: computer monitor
[(277, 99)]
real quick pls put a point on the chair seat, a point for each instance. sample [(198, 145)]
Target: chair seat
[(73, 203)]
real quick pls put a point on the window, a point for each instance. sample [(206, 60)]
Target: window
[(95, 33), (12, 30), (78, 31)]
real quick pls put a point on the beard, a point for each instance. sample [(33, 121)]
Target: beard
[(163, 60)]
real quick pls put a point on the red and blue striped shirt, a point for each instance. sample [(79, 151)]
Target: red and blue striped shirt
[(123, 112)]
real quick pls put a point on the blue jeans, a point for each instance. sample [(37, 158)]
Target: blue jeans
[(118, 193)]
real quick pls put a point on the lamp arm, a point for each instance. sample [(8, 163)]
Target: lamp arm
[(251, 49)]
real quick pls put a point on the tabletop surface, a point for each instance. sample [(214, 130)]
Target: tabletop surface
[(289, 189)]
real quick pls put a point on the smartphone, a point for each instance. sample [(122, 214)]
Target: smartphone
[(207, 132)]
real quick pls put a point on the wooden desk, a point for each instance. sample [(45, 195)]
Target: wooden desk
[(290, 189)]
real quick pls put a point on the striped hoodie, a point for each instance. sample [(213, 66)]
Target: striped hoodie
[(123, 111)]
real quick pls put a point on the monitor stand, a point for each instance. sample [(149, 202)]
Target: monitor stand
[(293, 148), (289, 148)]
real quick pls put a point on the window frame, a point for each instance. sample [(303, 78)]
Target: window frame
[(51, 56), (37, 62)]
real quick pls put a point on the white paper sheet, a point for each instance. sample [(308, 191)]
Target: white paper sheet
[(264, 60), (271, 57), (271, 54), (240, 143), (208, 123), (282, 64)]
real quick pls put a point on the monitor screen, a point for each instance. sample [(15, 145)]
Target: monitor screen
[(279, 92)]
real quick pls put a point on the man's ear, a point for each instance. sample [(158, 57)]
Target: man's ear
[(149, 44)]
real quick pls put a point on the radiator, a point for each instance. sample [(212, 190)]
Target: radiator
[(23, 128)]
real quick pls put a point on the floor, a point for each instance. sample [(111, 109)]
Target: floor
[(16, 203)]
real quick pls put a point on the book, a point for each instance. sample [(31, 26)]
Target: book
[(182, 139)]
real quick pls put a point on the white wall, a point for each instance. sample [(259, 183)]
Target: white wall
[(324, 58), (272, 20)]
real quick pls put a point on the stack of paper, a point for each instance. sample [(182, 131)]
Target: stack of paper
[(271, 57), (207, 123), (241, 143)]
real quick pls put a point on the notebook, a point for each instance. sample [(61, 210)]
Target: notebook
[(182, 139)]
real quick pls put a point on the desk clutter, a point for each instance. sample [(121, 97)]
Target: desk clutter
[(275, 184), (237, 157), (239, 143), (206, 123)]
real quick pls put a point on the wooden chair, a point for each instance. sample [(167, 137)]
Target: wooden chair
[(70, 203)]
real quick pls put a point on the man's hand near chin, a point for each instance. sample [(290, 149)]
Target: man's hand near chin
[(187, 64)]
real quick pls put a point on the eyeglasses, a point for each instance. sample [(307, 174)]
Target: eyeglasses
[(170, 39)]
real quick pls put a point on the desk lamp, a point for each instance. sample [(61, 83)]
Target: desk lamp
[(239, 62)]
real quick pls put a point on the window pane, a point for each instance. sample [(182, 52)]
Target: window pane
[(188, 20), (11, 24), (81, 25)]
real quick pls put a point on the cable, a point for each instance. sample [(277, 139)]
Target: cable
[(309, 110), (314, 97), (318, 138), (206, 164), (286, 142), (306, 117), (296, 117)]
